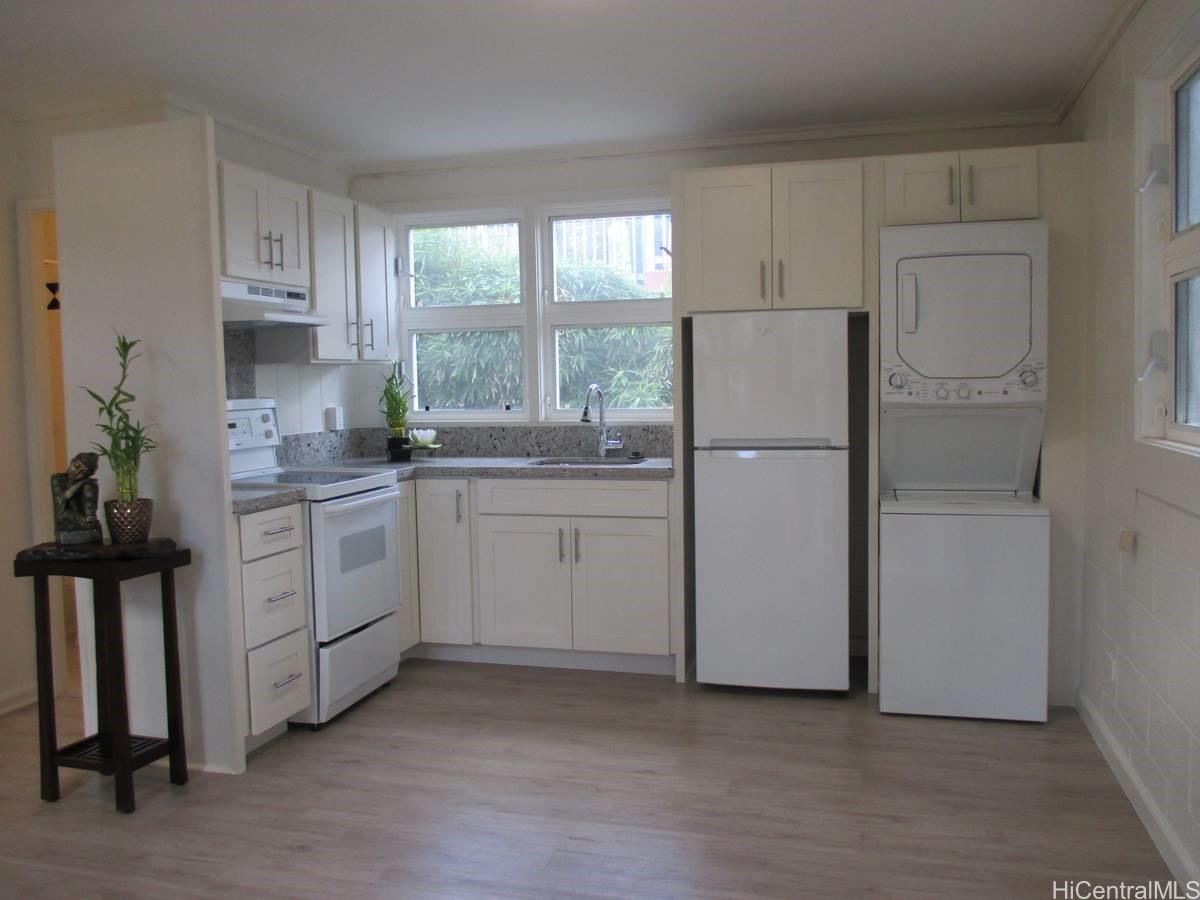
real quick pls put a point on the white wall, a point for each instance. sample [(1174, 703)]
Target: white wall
[(1142, 609)]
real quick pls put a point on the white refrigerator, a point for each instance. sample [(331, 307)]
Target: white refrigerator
[(771, 439)]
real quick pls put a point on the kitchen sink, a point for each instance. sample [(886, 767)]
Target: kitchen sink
[(588, 461)]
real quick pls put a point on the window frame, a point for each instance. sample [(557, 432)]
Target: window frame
[(553, 314)]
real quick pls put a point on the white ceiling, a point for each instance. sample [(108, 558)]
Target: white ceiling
[(370, 81)]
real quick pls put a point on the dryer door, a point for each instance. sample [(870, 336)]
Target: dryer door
[(966, 316)]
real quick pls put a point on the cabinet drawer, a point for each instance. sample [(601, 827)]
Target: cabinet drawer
[(280, 680), (274, 597), (529, 497), (271, 531)]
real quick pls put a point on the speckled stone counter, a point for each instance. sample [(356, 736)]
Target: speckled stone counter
[(251, 500), (659, 468)]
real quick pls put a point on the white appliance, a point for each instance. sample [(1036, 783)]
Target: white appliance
[(771, 437), (352, 520), (963, 543), (260, 305)]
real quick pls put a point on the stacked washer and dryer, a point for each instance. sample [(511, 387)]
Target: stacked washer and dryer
[(964, 543)]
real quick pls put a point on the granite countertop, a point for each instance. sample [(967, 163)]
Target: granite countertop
[(660, 468), (252, 499)]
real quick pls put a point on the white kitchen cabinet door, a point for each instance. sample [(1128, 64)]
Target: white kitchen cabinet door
[(289, 229), (410, 609), (444, 554), (335, 277), (376, 283), (727, 262), (999, 184), (525, 581), (619, 585), (246, 239), (921, 189), (817, 210)]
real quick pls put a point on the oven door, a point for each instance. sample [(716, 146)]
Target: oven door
[(356, 560)]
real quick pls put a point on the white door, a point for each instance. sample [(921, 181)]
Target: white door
[(727, 229), (921, 189), (621, 594), (246, 239), (444, 551), (410, 609), (356, 560), (524, 581), (770, 376), (772, 569), (289, 227), (335, 277), (1000, 184), (818, 234), (376, 283), (966, 316)]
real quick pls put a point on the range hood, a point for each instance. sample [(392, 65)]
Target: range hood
[(264, 305)]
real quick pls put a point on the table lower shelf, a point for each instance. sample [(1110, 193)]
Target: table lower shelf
[(95, 754)]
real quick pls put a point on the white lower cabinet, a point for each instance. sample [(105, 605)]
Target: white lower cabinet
[(280, 676), (444, 561), (525, 581), (410, 609)]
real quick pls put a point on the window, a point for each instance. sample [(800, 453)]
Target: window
[(478, 351)]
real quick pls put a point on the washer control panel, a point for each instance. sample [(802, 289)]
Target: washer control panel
[(1024, 384)]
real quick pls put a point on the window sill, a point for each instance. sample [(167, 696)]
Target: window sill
[(1192, 450)]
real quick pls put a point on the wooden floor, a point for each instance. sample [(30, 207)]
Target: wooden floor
[(466, 780)]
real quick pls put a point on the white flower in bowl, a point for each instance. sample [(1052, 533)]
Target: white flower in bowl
[(423, 435)]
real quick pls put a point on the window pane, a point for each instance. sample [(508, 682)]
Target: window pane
[(631, 363), (466, 265), (612, 258), (469, 370), (1187, 351), (1187, 154)]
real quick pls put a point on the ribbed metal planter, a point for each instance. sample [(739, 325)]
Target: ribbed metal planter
[(129, 520)]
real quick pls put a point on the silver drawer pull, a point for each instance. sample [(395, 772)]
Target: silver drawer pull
[(282, 596), (288, 680), (272, 532)]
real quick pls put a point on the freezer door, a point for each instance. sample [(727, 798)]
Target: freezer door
[(770, 375), (772, 569)]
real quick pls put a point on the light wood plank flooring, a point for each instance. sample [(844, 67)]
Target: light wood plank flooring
[(487, 781)]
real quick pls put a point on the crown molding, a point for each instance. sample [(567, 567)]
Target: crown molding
[(1119, 24)]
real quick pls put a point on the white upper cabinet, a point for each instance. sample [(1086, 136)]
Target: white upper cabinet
[(972, 186), (782, 237), (377, 283), (727, 215), (264, 227), (817, 234), (335, 277), (525, 581), (999, 184)]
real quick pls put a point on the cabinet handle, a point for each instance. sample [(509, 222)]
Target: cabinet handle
[(762, 280), (270, 239), (781, 279), (371, 325), (562, 553), (950, 183), (282, 596), (351, 329), (285, 682), (281, 257), (578, 546), (272, 532), (970, 185), (457, 506)]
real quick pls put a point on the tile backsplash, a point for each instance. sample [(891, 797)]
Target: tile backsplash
[(239, 363)]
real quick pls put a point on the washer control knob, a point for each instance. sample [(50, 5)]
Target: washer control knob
[(964, 392), (942, 392), (897, 379), (1029, 377)]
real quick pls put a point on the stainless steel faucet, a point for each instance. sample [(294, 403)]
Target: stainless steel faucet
[(605, 443)]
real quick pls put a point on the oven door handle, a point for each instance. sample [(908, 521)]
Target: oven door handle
[(332, 508)]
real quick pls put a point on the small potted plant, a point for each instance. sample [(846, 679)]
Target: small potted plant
[(129, 515), (393, 403)]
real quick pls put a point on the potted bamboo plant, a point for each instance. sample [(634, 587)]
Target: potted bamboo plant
[(394, 404), (129, 515)]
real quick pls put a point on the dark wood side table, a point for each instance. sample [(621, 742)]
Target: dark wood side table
[(112, 750)]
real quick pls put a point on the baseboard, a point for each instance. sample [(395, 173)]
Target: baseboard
[(635, 663), (1182, 862), (14, 699)]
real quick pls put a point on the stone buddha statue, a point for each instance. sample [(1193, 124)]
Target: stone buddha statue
[(76, 498)]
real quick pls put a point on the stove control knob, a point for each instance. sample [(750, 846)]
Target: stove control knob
[(1029, 378), (964, 392), (897, 379), (266, 417), (942, 392), (268, 434)]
